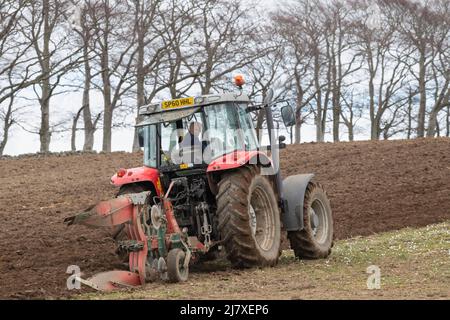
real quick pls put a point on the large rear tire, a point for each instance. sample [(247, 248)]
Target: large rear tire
[(249, 218), (316, 239)]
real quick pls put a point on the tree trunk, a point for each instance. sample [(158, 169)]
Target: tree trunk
[(336, 106), (351, 126), (44, 132), (298, 124), (298, 111), (378, 131), (73, 138), (423, 96), (108, 108), (259, 124), (7, 123), (140, 93), (3, 143), (351, 135), (441, 101), (433, 124), (89, 128), (298, 131), (107, 118), (410, 104), (206, 88), (374, 134), (448, 123), (320, 129)]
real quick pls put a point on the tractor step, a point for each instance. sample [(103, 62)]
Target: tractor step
[(131, 246)]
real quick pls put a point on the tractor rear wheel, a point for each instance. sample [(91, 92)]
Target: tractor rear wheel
[(316, 239), (249, 218)]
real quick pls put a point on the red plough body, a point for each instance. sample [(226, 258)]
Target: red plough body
[(123, 210)]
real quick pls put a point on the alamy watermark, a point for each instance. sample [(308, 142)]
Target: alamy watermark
[(374, 280), (374, 19), (73, 282), (220, 148)]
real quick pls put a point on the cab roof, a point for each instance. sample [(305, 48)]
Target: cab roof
[(171, 110)]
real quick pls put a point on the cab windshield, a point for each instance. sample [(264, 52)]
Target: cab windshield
[(204, 136)]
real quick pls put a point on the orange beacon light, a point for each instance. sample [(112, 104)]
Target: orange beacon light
[(239, 80)]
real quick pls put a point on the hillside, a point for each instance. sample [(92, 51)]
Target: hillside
[(373, 186)]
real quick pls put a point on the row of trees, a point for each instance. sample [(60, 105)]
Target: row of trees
[(384, 60), (339, 63)]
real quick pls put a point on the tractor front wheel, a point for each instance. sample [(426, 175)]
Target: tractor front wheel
[(249, 218), (176, 270), (316, 239)]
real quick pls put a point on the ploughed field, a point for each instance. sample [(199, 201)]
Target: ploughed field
[(373, 186)]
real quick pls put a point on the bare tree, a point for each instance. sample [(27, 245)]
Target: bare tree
[(440, 70), (267, 73), (420, 29), (165, 39), (385, 55), (43, 26), (338, 13), (8, 117), (114, 50), (73, 138), (74, 128), (144, 16), (300, 52), (10, 53), (84, 34), (224, 41), (351, 113)]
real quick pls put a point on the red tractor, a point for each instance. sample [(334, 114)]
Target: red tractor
[(207, 185)]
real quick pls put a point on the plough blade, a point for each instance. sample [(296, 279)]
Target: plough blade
[(106, 214), (113, 280), (109, 213)]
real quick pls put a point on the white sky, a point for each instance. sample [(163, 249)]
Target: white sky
[(22, 142)]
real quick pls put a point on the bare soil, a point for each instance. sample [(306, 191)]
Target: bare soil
[(373, 186)]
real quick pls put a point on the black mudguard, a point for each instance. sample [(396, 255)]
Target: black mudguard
[(294, 189)]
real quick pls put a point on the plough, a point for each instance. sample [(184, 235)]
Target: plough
[(155, 244)]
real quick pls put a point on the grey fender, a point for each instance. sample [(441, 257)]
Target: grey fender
[(294, 189)]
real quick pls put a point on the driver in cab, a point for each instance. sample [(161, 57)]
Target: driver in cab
[(192, 147), (192, 138)]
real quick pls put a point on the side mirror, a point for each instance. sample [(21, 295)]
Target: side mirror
[(141, 137), (269, 97), (288, 115), (281, 142)]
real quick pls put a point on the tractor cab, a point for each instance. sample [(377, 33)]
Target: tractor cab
[(191, 133)]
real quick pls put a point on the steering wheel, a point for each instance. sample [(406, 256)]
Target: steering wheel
[(166, 157)]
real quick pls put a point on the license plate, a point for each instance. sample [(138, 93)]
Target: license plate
[(185, 166), (178, 103)]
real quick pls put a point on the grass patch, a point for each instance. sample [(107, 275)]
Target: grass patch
[(414, 264)]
